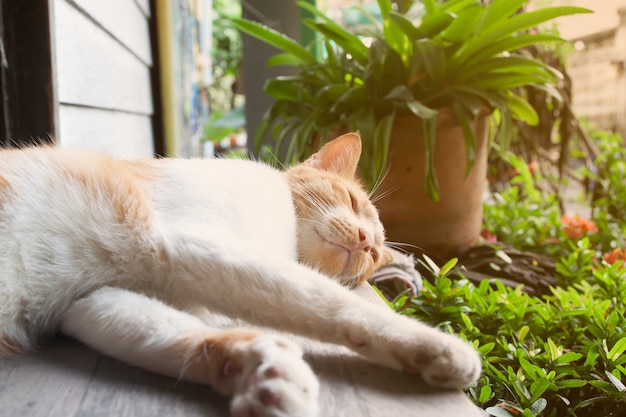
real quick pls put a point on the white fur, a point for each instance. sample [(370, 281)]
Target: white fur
[(223, 237)]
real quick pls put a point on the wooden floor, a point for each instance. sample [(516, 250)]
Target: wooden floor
[(67, 379)]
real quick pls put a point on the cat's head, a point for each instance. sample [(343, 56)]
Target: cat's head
[(339, 232)]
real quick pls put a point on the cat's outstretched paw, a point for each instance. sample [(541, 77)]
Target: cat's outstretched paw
[(275, 382), (455, 365)]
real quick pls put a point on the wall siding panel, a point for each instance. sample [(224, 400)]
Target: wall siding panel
[(94, 69), (125, 21), (122, 135)]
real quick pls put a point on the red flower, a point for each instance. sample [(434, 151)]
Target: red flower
[(614, 256), (488, 236), (576, 227)]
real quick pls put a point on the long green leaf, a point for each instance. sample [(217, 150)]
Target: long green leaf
[(508, 81), (504, 45), (314, 11), (405, 25), (348, 42), (502, 64), (465, 119), (518, 23), (385, 7), (382, 138), (276, 39), (283, 59), (498, 11), (618, 349), (431, 187), (465, 24), (522, 109), (434, 24)]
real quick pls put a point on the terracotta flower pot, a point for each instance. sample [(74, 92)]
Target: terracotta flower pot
[(408, 214)]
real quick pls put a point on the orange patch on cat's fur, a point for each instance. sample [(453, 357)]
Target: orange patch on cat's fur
[(215, 356), (8, 347), (120, 183), (5, 191)]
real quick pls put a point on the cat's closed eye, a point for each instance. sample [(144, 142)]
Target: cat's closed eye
[(354, 203)]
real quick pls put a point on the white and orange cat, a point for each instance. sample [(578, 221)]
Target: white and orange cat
[(125, 255)]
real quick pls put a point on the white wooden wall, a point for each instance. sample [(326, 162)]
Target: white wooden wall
[(103, 61)]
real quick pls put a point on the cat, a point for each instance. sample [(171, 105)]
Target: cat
[(120, 254)]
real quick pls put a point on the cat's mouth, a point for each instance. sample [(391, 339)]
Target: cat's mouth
[(338, 247)]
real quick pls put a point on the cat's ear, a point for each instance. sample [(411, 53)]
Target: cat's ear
[(386, 257), (340, 156)]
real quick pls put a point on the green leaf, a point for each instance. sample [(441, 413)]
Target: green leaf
[(615, 381), (500, 10), (434, 24), (522, 109), (465, 119), (420, 110), (538, 387), (405, 25), (465, 24), (276, 39), (531, 370), (485, 394), (508, 81), (385, 7), (485, 349), (431, 264), (433, 59), (522, 332), (432, 186), (283, 59), (518, 23), (382, 138), (447, 267), (461, 60), (553, 349), (568, 357), (350, 43), (570, 383), (618, 349)]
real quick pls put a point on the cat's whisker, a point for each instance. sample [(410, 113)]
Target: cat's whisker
[(384, 194), (381, 177), (401, 246)]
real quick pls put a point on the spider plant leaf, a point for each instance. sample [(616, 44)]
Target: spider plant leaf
[(465, 24), (349, 42), (314, 11), (433, 58), (405, 25), (434, 24), (386, 7), (283, 59), (431, 186), (382, 138), (522, 109), (465, 119), (503, 64), (276, 39), (516, 24)]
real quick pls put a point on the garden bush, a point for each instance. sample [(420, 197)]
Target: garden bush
[(560, 354)]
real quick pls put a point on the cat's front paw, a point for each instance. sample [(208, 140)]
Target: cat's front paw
[(455, 364), (275, 382)]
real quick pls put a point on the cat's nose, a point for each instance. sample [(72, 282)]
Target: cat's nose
[(365, 241)]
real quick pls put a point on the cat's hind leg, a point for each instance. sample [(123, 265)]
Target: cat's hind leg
[(265, 375)]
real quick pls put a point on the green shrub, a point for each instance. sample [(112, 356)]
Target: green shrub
[(560, 354)]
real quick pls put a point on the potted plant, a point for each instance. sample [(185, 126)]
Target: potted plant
[(405, 80)]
